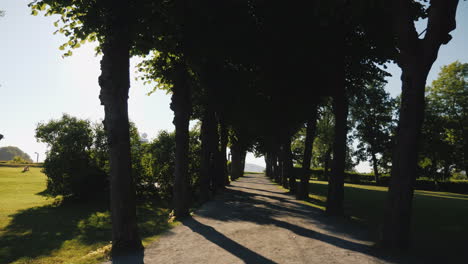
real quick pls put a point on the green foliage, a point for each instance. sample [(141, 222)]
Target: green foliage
[(445, 131), (158, 163), (70, 168), (372, 113), (10, 152)]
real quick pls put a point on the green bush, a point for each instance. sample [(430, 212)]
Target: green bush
[(69, 166)]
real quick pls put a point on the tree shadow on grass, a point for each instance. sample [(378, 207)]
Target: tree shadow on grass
[(39, 231)]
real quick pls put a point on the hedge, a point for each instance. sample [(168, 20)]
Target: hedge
[(384, 180)]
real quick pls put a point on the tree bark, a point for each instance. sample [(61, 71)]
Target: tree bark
[(336, 180), (376, 168), (218, 167), (115, 84), (181, 105), (416, 57), (327, 164), (223, 151), (289, 167), (208, 145), (276, 167), (284, 166), (268, 165), (243, 155), (236, 163), (399, 208), (303, 190)]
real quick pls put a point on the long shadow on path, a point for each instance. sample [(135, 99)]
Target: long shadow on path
[(264, 205), (224, 242)]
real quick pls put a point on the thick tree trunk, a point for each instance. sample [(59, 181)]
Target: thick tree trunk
[(289, 167), (284, 166), (115, 83), (236, 163), (244, 154), (268, 165), (416, 57), (181, 105), (208, 145), (376, 168), (336, 180), (223, 151), (218, 167), (405, 156), (276, 167), (303, 190)]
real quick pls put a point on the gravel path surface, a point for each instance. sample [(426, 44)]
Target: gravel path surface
[(254, 221)]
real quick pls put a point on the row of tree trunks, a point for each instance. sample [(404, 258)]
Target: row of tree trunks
[(115, 84), (336, 180), (416, 57), (303, 188)]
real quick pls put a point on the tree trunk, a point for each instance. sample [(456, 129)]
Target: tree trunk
[(303, 190), (268, 165), (289, 167), (416, 57), (181, 105), (208, 145), (376, 168), (336, 180), (224, 142), (276, 167), (115, 83), (284, 166), (405, 157), (236, 163), (218, 170), (327, 164), (244, 154)]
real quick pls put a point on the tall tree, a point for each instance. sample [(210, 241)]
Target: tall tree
[(115, 84), (448, 95), (372, 115), (415, 59)]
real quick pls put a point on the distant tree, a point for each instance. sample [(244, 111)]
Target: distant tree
[(70, 169), (8, 153), (372, 115), (448, 97), (1, 136)]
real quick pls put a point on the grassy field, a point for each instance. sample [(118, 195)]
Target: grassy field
[(440, 220), (37, 229)]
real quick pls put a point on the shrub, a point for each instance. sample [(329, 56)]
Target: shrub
[(70, 169)]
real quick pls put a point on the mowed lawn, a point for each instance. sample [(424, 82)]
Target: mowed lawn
[(37, 229), (440, 219)]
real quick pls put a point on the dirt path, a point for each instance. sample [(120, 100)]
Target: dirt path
[(254, 221)]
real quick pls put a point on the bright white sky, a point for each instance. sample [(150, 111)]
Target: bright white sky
[(37, 84)]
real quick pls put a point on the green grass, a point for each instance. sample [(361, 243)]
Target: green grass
[(440, 219), (37, 229)]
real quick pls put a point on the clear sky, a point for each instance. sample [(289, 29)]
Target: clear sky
[(37, 84)]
